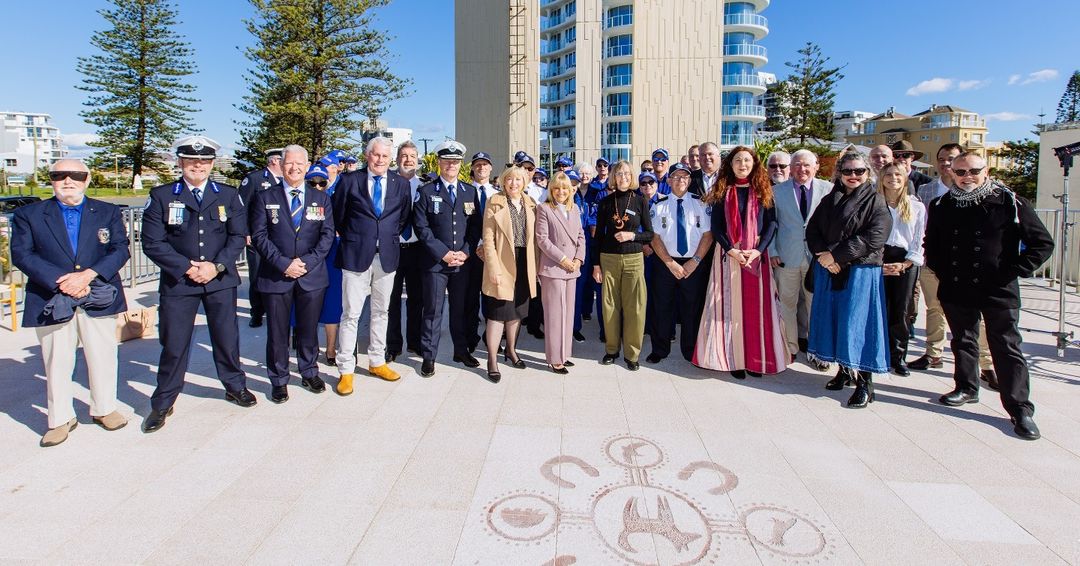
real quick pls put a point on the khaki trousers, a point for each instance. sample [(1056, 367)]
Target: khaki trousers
[(794, 303), (59, 342), (935, 321), (624, 302)]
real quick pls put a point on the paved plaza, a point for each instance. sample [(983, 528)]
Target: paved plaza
[(668, 465)]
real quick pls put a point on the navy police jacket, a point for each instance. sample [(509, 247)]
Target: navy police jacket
[(41, 249), (176, 231), (363, 234), (273, 236), (442, 226)]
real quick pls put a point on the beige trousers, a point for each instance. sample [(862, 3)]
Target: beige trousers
[(59, 342), (935, 321), (794, 303)]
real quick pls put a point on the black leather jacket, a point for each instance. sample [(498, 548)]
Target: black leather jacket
[(854, 227)]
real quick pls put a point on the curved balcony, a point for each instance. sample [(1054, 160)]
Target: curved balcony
[(748, 83), (556, 24), (747, 53), (759, 5), (749, 112), (749, 23), (732, 140)]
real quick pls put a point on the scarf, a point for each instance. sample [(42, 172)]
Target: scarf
[(742, 237), (974, 197)]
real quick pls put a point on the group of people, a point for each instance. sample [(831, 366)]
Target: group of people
[(753, 261)]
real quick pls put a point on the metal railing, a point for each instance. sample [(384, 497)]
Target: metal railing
[(746, 20), (139, 268), (1052, 270)]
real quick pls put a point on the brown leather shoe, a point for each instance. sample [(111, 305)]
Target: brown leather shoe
[(59, 434), (112, 421), (925, 362), (384, 372), (990, 377)]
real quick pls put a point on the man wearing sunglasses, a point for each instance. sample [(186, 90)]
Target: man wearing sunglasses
[(981, 237), (71, 249), (903, 151), (661, 159), (194, 229), (779, 165), (258, 180)]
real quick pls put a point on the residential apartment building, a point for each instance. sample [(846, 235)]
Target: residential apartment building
[(29, 140), (844, 122), (926, 131), (616, 78)]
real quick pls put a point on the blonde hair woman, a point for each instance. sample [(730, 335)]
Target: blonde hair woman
[(902, 258), (509, 244), (561, 241)]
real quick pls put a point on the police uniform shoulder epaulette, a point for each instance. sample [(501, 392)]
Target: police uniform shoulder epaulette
[(695, 197), (661, 199)]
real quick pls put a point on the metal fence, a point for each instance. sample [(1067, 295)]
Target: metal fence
[(1053, 270), (139, 268)]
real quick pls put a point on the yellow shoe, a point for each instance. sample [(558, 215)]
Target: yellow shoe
[(344, 384), (384, 372), (59, 434)]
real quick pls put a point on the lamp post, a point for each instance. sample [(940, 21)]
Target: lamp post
[(116, 171)]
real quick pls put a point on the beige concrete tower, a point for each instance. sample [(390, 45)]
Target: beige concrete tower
[(497, 76)]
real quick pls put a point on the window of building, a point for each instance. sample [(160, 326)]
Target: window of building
[(614, 154), (977, 138), (618, 104), (570, 60), (569, 86), (925, 138), (952, 137), (870, 127), (619, 75), (617, 133), (738, 8), (937, 138), (570, 111), (619, 16), (11, 163), (620, 45), (570, 35), (570, 9)]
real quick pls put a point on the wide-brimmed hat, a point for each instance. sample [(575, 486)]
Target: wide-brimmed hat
[(904, 145)]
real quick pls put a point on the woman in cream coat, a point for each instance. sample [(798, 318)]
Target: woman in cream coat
[(509, 265), (561, 241)]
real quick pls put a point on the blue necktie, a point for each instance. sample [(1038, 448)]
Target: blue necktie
[(296, 210), (483, 199), (197, 194), (453, 197), (376, 196), (680, 238)]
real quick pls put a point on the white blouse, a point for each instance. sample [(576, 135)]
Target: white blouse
[(909, 235)]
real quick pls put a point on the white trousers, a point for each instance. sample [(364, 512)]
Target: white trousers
[(794, 303), (356, 287), (59, 342)]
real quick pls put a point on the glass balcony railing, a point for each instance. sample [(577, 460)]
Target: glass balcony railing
[(746, 20), (619, 50), (745, 50), (743, 110), (617, 110), (746, 139), (744, 80)]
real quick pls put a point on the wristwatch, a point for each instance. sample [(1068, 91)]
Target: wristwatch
[(696, 258), (220, 267)]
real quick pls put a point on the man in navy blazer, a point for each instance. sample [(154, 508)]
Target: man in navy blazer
[(71, 249), (448, 221), (371, 207), (292, 228), (257, 181)]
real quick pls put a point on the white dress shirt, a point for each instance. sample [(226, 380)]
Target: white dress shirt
[(288, 194), (664, 216), (909, 235), (371, 189), (414, 185)]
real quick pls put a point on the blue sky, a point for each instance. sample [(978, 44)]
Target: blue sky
[(1006, 60)]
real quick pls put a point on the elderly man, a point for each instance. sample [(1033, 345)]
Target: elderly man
[(778, 164), (258, 180), (371, 209), (71, 249), (447, 219), (407, 275), (904, 152), (195, 229), (292, 228), (980, 237), (880, 156), (795, 200), (703, 179)]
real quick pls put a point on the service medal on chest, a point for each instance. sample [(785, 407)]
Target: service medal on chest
[(469, 208), (221, 213)]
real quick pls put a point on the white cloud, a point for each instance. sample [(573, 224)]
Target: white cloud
[(936, 84), (1006, 117), (79, 140), (971, 85), (1013, 79), (1040, 76)]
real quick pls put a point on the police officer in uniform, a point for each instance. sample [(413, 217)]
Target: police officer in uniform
[(682, 241), (480, 172), (447, 220), (194, 230), (256, 181)]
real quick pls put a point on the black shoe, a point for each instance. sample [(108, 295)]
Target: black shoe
[(332, 361), (739, 374), (792, 359), (602, 337), (1024, 427), (958, 397), (537, 333), (578, 337), (608, 359), (514, 361), (901, 369), (632, 366), (925, 362), (843, 378), (586, 317), (560, 371), (427, 368), (279, 393), (864, 391), (313, 384), (803, 344), (753, 373), (256, 321), (654, 358), (243, 398), (816, 363), (990, 377), (392, 356), (493, 376), (568, 364), (468, 361), (156, 419), (413, 350)]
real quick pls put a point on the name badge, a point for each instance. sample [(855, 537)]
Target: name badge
[(631, 213), (221, 213), (176, 214), (469, 208)]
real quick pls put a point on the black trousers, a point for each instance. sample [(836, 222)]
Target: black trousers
[(676, 300), (475, 267), (409, 277), (176, 327), (436, 286), (535, 320), (898, 293), (279, 307), (254, 260), (1003, 336)]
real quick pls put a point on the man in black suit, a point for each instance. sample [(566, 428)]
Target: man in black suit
[(702, 179), (408, 276), (256, 181), (371, 207), (292, 228), (194, 229), (447, 220)]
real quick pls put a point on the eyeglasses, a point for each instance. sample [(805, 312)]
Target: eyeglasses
[(903, 155), (957, 172), (659, 159), (858, 172), (57, 176), (778, 166), (538, 178), (647, 182), (322, 184)]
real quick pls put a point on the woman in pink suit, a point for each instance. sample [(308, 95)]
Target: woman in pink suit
[(561, 242)]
